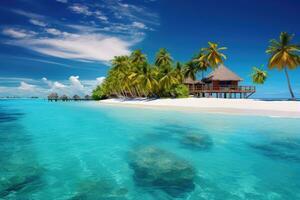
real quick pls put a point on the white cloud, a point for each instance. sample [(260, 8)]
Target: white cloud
[(16, 80), (20, 92), (139, 25), (26, 87), (132, 30), (132, 12), (53, 31), (54, 85), (58, 85), (100, 80), (102, 17), (90, 47), (95, 38), (83, 28), (92, 83), (80, 9), (27, 14), (76, 86), (44, 79), (99, 15), (49, 83), (57, 32), (17, 33), (37, 22), (85, 10), (23, 90), (43, 87)]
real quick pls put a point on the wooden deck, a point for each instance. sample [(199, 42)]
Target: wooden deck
[(222, 91)]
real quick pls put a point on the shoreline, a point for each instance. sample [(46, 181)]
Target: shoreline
[(251, 107)]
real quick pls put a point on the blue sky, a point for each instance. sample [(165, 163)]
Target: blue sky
[(66, 45)]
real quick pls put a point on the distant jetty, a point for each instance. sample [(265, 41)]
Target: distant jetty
[(55, 97)]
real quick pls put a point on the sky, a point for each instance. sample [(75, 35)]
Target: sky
[(66, 46)]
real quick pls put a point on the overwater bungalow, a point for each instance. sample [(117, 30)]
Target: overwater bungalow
[(53, 97), (87, 97), (76, 97), (64, 98), (192, 84), (220, 83)]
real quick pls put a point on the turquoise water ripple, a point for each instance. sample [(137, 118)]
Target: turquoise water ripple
[(80, 150)]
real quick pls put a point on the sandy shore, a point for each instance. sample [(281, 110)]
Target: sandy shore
[(227, 106)]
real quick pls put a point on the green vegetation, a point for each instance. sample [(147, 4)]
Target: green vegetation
[(100, 92), (212, 55), (179, 91), (259, 76), (134, 76), (284, 56)]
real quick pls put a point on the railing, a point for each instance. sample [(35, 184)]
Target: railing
[(222, 88)]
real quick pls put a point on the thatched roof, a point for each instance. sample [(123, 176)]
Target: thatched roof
[(64, 97), (189, 80), (77, 97), (222, 73), (87, 97), (53, 96)]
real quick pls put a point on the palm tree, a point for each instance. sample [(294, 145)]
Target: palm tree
[(179, 72), (147, 79), (259, 76), (284, 56), (168, 80), (212, 54), (137, 57), (190, 70), (163, 58), (120, 63), (201, 64), (127, 83), (138, 60), (120, 72)]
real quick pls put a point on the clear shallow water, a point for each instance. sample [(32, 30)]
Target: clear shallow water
[(77, 150)]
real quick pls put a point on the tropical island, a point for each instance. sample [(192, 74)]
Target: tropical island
[(95, 109), (133, 80), (133, 76)]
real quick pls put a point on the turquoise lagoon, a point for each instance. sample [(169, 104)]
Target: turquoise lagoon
[(82, 150)]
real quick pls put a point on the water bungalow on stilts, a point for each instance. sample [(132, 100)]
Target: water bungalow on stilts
[(54, 97), (220, 83), (76, 97), (64, 98), (87, 97)]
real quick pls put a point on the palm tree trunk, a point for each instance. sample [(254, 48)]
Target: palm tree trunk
[(143, 91), (138, 91), (130, 92), (289, 84), (124, 94), (202, 74)]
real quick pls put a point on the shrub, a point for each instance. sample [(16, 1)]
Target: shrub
[(100, 92), (179, 91)]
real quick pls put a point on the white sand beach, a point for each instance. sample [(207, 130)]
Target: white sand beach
[(226, 106)]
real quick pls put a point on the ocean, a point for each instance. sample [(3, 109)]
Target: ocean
[(82, 150)]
